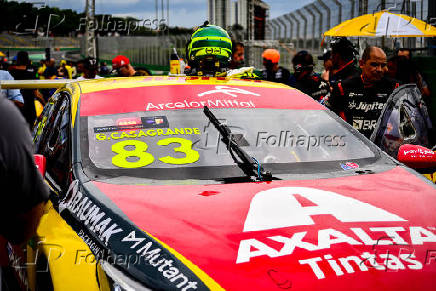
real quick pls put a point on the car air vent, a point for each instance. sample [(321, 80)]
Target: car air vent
[(363, 172)]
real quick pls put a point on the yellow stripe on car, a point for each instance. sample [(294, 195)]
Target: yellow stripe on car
[(206, 279)]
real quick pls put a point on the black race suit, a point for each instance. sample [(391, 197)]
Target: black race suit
[(360, 106), (312, 85), (281, 76), (346, 72)]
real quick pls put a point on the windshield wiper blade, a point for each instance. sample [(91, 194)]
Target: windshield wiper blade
[(249, 165)]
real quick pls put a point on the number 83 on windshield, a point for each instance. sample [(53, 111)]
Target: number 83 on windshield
[(144, 158)]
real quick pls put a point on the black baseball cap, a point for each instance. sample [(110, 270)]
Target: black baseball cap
[(90, 63), (342, 45)]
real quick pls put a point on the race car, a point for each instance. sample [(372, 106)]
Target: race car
[(197, 183)]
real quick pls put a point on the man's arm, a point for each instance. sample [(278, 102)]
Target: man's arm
[(12, 94), (336, 100), (24, 226)]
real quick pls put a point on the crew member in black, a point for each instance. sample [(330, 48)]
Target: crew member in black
[(23, 70), (23, 191), (327, 59), (305, 80), (273, 72), (343, 60), (360, 100)]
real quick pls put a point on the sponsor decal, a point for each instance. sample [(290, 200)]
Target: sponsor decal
[(419, 152), (231, 91), (148, 133), (148, 252), (135, 123), (93, 246), (96, 220), (279, 208), (349, 166), (129, 121), (218, 103), (186, 96), (364, 124), (152, 254), (365, 107)]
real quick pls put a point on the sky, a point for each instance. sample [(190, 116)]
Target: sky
[(185, 13)]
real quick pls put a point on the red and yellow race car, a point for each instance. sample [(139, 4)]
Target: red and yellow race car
[(189, 183)]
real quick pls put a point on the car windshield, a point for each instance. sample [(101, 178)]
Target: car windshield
[(183, 144)]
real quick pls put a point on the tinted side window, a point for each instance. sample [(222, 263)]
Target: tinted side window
[(55, 142), (44, 124)]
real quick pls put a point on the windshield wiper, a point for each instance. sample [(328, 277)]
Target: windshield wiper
[(249, 165)]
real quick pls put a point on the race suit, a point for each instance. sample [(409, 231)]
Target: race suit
[(281, 76), (358, 105), (348, 71), (312, 85)]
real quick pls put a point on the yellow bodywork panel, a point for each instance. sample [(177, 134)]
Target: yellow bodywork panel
[(95, 85), (34, 84), (71, 262), (431, 177)]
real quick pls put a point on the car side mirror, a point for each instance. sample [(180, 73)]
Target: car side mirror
[(40, 164), (418, 157)]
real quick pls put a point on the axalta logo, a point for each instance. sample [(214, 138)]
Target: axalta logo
[(234, 92), (278, 207)]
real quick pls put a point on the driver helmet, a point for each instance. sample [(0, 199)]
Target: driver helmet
[(209, 49)]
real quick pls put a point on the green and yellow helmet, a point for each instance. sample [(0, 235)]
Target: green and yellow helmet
[(210, 41)]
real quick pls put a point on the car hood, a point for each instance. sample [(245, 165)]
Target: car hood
[(372, 231)]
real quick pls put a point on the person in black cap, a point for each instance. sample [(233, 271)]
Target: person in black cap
[(90, 69), (23, 70), (305, 80), (343, 60)]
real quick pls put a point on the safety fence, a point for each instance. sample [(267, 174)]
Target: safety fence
[(151, 51), (156, 50), (19, 41), (141, 50)]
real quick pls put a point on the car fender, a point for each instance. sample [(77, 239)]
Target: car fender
[(70, 261)]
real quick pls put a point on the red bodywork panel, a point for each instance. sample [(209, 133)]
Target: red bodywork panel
[(366, 232), (173, 97)]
